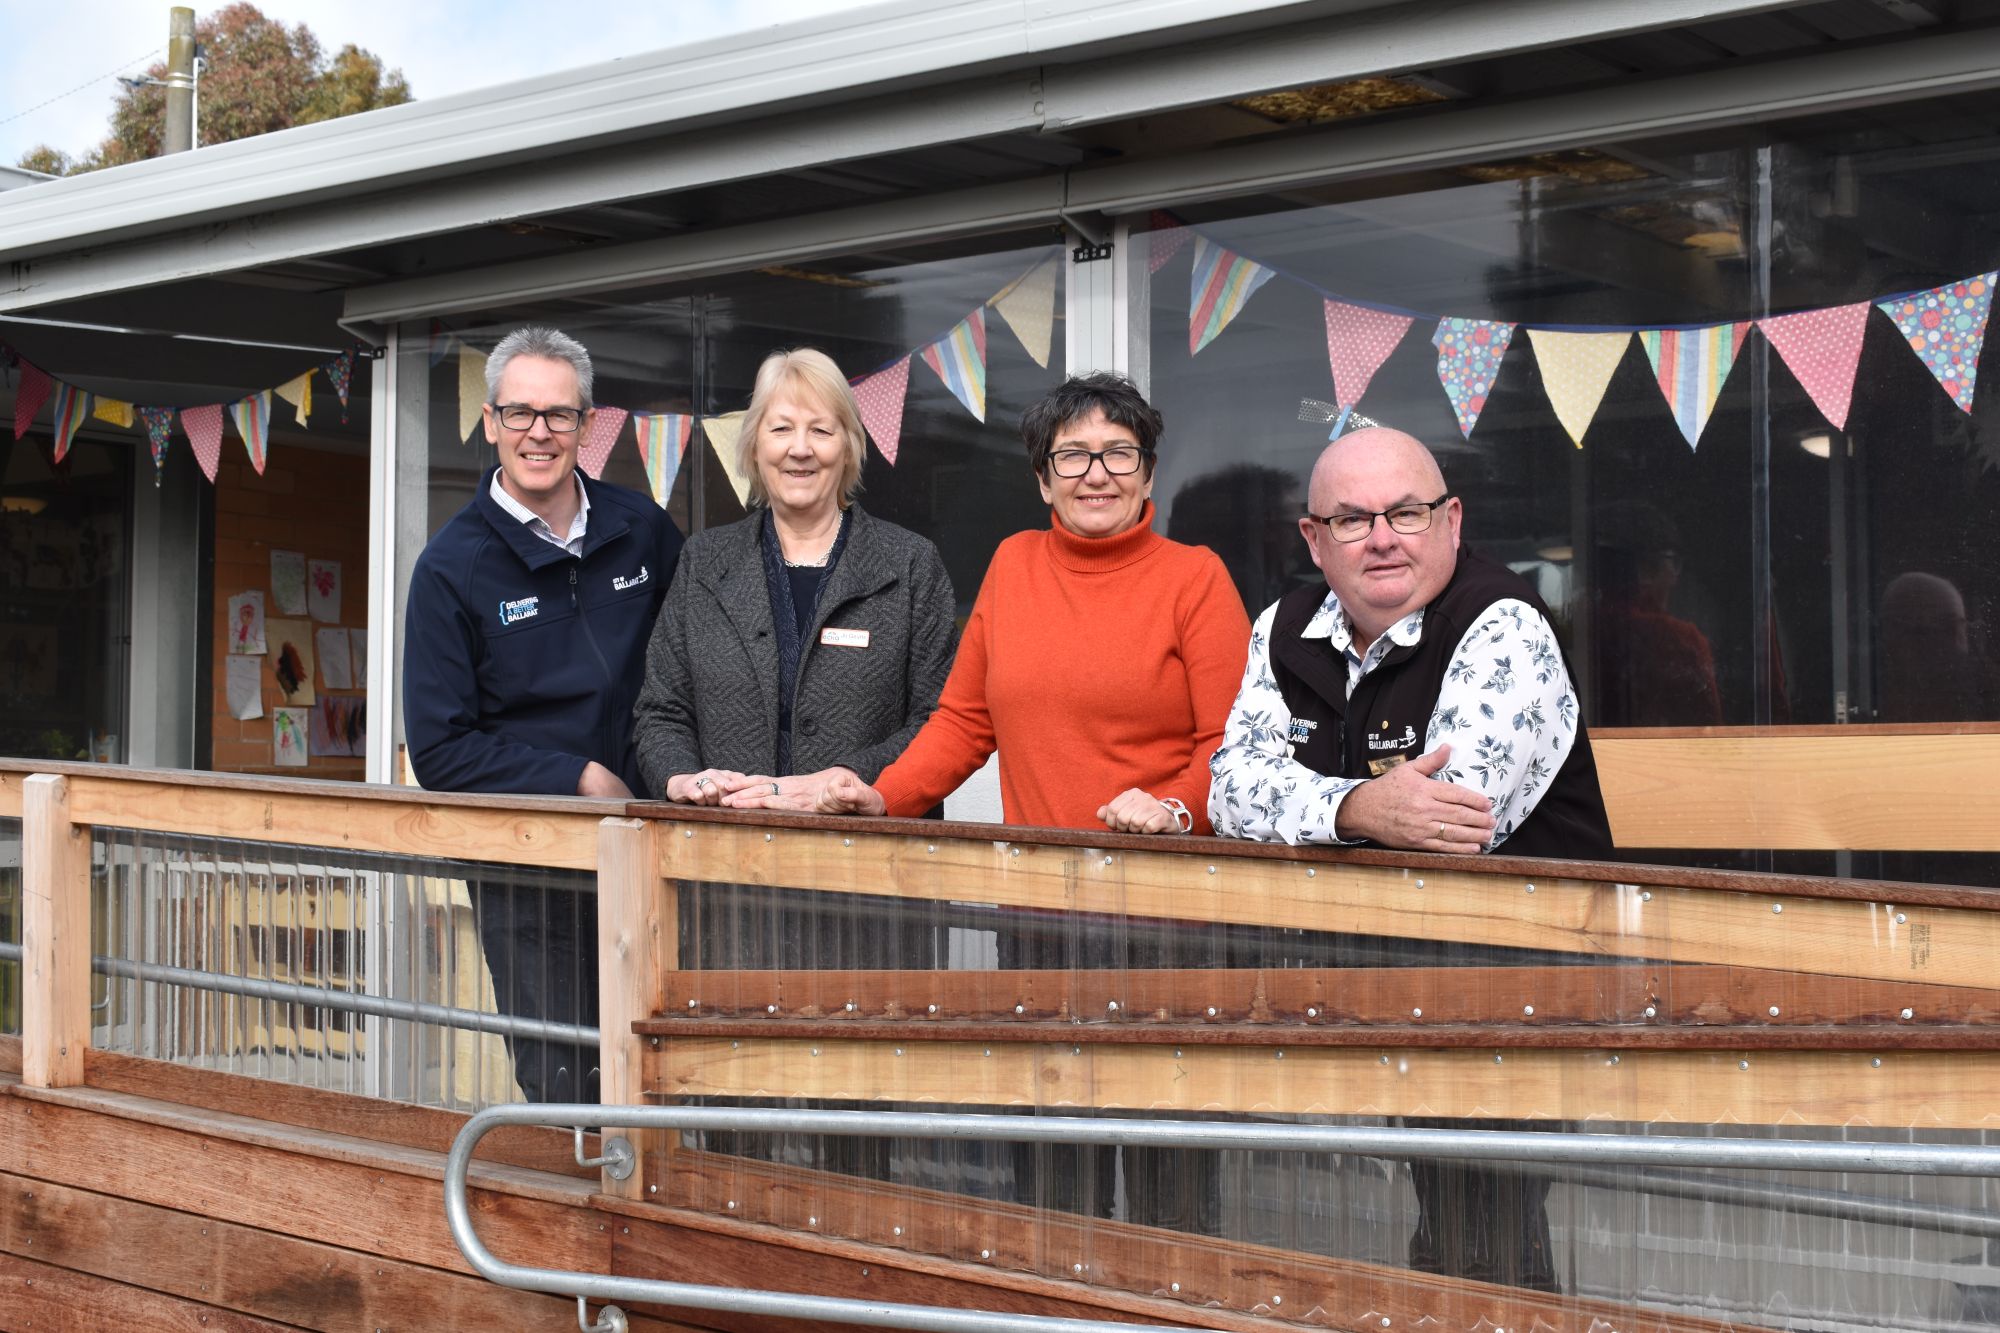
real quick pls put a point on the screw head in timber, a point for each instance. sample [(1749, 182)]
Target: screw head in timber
[(1909, 1013)]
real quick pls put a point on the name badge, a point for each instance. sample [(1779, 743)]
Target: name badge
[(843, 638)]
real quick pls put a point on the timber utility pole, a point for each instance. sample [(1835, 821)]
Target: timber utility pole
[(179, 135)]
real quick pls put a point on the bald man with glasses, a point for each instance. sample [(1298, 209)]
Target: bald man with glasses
[(1419, 701)]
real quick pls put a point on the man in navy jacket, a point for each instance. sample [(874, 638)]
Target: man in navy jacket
[(524, 648)]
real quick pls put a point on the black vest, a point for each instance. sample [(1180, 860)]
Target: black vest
[(1390, 713)]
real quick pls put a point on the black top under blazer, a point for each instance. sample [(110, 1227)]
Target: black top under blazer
[(710, 699)]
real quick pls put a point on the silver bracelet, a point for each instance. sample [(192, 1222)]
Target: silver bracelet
[(1183, 821)]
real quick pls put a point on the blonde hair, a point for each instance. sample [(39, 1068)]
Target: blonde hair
[(808, 372)]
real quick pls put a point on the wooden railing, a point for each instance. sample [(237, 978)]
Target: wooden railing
[(970, 966)]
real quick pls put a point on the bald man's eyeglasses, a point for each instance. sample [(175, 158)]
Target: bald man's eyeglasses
[(1408, 519)]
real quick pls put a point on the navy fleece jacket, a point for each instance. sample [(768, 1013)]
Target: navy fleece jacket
[(521, 661)]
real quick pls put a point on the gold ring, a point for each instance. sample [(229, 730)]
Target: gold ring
[(1440, 830)]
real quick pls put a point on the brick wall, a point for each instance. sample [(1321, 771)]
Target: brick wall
[(309, 501)]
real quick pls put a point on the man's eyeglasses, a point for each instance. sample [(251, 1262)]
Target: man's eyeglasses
[(1408, 519), (1119, 460), (519, 416)]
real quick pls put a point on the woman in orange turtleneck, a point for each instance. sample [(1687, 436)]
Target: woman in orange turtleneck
[(1100, 659)]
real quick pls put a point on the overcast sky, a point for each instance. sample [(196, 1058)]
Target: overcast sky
[(442, 46)]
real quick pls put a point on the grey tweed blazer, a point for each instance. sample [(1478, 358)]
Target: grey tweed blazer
[(710, 699)]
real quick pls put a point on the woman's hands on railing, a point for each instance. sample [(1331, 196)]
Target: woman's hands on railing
[(800, 791), (847, 794), (1136, 811), (707, 787)]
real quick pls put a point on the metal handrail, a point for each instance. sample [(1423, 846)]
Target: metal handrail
[(352, 1002), (1917, 1159)]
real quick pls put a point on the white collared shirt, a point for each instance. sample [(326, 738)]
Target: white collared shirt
[(539, 525), (1506, 707)]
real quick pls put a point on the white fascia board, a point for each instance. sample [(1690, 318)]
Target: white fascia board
[(1804, 85), (836, 58), (977, 211)]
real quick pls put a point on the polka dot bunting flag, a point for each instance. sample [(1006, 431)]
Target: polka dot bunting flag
[(1358, 340), (1946, 327), (1821, 348), (595, 449), (1469, 352), (880, 398)]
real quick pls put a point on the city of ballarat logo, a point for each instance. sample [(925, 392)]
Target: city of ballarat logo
[(524, 609), (1402, 742), (620, 583)]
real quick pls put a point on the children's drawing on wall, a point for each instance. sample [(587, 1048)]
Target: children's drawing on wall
[(288, 583), (323, 590), (288, 736), (292, 660), (246, 688), (358, 658), (340, 726), (336, 671), (246, 623)]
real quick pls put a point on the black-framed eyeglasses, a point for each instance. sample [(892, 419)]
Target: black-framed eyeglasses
[(1120, 460), (1408, 519), (519, 416)]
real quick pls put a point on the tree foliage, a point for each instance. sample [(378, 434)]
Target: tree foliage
[(258, 76)]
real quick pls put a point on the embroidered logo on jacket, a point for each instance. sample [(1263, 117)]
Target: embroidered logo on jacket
[(522, 609), (620, 583), (1402, 742), (1301, 730)]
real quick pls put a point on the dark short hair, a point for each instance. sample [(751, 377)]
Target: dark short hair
[(1077, 397)]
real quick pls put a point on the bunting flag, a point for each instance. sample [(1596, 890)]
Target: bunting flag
[(722, 433), (959, 358), (595, 448), (159, 433), (1029, 306), (340, 373), (72, 406), (1358, 340), (471, 388), (663, 439), (1690, 366), (1469, 352), (204, 431), (29, 396), (1946, 327), (1576, 370), (252, 416), (880, 398), (1164, 240), (298, 391), (112, 410), (1822, 348), (1221, 282)]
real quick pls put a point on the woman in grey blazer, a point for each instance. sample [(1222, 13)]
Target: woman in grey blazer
[(805, 639)]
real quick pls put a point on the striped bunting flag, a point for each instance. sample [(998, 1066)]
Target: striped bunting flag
[(1691, 365), (959, 358), (252, 416), (594, 450), (663, 441), (204, 431), (159, 432), (1220, 283), (72, 406)]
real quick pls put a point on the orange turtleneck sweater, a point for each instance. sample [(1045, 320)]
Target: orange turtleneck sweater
[(1092, 665)]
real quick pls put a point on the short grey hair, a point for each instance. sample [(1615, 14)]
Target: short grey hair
[(549, 345)]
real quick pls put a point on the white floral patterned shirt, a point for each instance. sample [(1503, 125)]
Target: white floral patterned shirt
[(1506, 707)]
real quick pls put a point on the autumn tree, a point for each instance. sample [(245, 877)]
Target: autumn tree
[(257, 76)]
